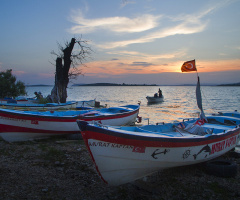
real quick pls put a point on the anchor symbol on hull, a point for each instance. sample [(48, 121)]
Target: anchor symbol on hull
[(156, 153)]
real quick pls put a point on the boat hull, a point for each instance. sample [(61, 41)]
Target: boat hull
[(89, 103), (121, 157), (32, 106), (232, 114), (154, 99), (24, 123)]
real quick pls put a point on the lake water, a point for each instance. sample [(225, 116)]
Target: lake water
[(179, 101)]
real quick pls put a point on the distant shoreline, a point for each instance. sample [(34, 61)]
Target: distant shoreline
[(40, 85), (116, 84), (113, 84), (232, 84)]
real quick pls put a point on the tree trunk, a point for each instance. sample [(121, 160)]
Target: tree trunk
[(59, 91)]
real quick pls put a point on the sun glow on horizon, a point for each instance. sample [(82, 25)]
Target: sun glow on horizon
[(117, 67)]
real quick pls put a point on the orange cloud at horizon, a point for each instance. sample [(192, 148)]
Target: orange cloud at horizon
[(118, 67), (220, 65)]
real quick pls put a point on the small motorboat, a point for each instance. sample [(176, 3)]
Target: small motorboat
[(16, 125), (158, 97), (154, 99)]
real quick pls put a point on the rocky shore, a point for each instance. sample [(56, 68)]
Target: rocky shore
[(62, 169)]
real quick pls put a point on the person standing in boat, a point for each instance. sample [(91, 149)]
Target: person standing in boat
[(159, 93)]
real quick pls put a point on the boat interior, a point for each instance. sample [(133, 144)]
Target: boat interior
[(103, 111), (187, 128)]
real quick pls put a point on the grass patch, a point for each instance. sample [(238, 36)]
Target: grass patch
[(81, 142), (52, 154), (5, 152), (28, 142), (43, 146), (123, 193), (218, 189)]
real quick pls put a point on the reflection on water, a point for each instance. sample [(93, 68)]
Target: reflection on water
[(179, 101)]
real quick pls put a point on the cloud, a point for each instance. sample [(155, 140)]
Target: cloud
[(115, 24), (172, 78), (181, 24), (19, 73), (184, 24), (183, 28), (133, 69), (144, 64), (139, 55), (126, 2), (222, 54)]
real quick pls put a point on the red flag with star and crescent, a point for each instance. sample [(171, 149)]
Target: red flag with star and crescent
[(139, 149), (189, 66)]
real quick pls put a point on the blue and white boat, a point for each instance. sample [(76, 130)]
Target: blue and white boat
[(125, 154), (232, 114), (38, 106), (16, 125)]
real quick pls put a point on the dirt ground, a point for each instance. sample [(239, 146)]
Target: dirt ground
[(57, 168)]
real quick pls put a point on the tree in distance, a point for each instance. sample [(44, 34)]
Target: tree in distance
[(8, 85)]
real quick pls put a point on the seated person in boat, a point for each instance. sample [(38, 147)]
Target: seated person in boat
[(38, 95), (155, 95)]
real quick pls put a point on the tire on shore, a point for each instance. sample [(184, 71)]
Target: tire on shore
[(234, 153), (222, 168)]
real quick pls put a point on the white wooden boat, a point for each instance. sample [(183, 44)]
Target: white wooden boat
[(37, 106), (125, 154), (233, 114), (20, 99), (16, 125), (155, 99), (88, 103)]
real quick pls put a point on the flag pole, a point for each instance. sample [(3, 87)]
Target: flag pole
[(190, 66)]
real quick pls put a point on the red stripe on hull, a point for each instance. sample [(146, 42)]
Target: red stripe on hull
[(89, 150), (64, 119), (97, 118), (8, 128), (146, 143)]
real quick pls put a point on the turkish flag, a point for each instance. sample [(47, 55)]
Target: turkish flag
[(139, 149), (34, 121), (189, 66)]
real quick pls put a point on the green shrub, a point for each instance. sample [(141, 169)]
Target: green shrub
[(9, 87)]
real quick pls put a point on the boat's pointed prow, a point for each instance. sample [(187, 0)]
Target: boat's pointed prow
[(82, 125)]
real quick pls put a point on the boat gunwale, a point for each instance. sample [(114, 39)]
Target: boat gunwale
[(47, 105), (113, 135), (31, 116)]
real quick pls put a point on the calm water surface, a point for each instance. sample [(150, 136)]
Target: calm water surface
[(179, 101)]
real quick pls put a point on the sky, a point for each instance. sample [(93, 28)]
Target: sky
[(132, 41)]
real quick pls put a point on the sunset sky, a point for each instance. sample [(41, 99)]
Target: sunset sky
[(133, 41)]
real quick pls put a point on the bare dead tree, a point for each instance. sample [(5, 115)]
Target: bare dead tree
[(68, 62)]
